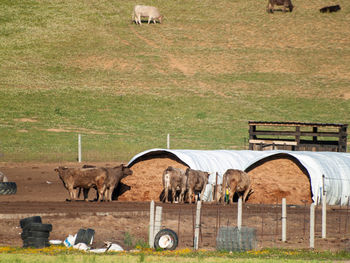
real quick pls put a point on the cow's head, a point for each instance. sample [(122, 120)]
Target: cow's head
[(126, 170)]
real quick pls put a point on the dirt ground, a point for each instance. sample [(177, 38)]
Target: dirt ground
[(125, 221)]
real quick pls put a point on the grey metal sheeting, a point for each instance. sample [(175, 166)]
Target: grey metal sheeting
[(333, 165)]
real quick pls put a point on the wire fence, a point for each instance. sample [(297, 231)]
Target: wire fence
[(266, 220)]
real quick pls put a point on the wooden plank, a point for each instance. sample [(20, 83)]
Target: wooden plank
[(272, 142)]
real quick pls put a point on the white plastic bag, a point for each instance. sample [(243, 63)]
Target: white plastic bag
[(70, 240)]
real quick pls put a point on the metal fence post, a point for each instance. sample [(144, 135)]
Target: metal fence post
[(284, 220), (151, 226), (196, 232), (158, 220), (324, 215), (239, 214), (79, 148), (312, 225)]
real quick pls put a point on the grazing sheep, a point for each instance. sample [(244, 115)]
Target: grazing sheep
[(146, 11)]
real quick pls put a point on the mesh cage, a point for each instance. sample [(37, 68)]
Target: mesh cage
[(233, 239)]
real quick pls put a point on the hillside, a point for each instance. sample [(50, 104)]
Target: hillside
[(70, 67)]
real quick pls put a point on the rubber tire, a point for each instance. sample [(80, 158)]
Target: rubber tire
[(38, 227), (89, 235), (84, 236), (36, 242), (40, 234), (80, 236), (33, 219), (170, 233), (8, 188)]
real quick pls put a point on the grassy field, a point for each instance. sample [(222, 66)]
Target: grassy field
[(70, 67), (61, 254)]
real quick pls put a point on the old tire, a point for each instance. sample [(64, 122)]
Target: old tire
[(39, 234), (8, 188), (84, 236), (33, 219), (36, 242), (166, 239), (38, 227), (80, 236)]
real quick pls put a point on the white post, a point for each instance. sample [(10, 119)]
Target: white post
[(239, 214), (312, 225), (79, 148), (198, 221), (151, 225), (168, 141), (324, 216), (157, 221), (284, 220)]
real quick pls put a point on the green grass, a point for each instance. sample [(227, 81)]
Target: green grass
[(70, 67), (269, 255)]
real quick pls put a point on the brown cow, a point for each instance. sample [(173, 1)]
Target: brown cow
[(238, 182), (73, 178), (286, 4), (196, 182), (174, 179), (115, 174)]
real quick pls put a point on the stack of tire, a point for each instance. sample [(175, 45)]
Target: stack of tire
[(34, 233)]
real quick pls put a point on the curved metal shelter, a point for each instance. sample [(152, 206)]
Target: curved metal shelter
[(328, 171)]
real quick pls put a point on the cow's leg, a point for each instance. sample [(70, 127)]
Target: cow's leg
[(173, 194), (101, 189), (72, 193), (230, 196), (86, 193), (110, 193), (190, 193), (106, 194), (246, 192), (149, 19), (166, 194)]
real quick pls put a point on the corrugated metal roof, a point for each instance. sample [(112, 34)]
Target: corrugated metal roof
[(333, 165)]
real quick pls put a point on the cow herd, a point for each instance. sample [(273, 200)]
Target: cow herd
[(182, 186), (103, 179)]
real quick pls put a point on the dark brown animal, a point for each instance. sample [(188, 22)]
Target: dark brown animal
[(330, 9), (74, 178), (174, 179), (236, 181), (196, 182), (286, 4), (114, 175)]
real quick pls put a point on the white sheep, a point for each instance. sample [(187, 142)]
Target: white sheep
[(146, 11)]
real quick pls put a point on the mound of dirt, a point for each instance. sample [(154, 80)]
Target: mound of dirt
[(146, 180), (271, 181), (277, 179)]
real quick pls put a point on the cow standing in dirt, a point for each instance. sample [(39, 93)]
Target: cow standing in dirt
[(196, 182), (87, 178), (236, 181), (114, 175), (174, 179)]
